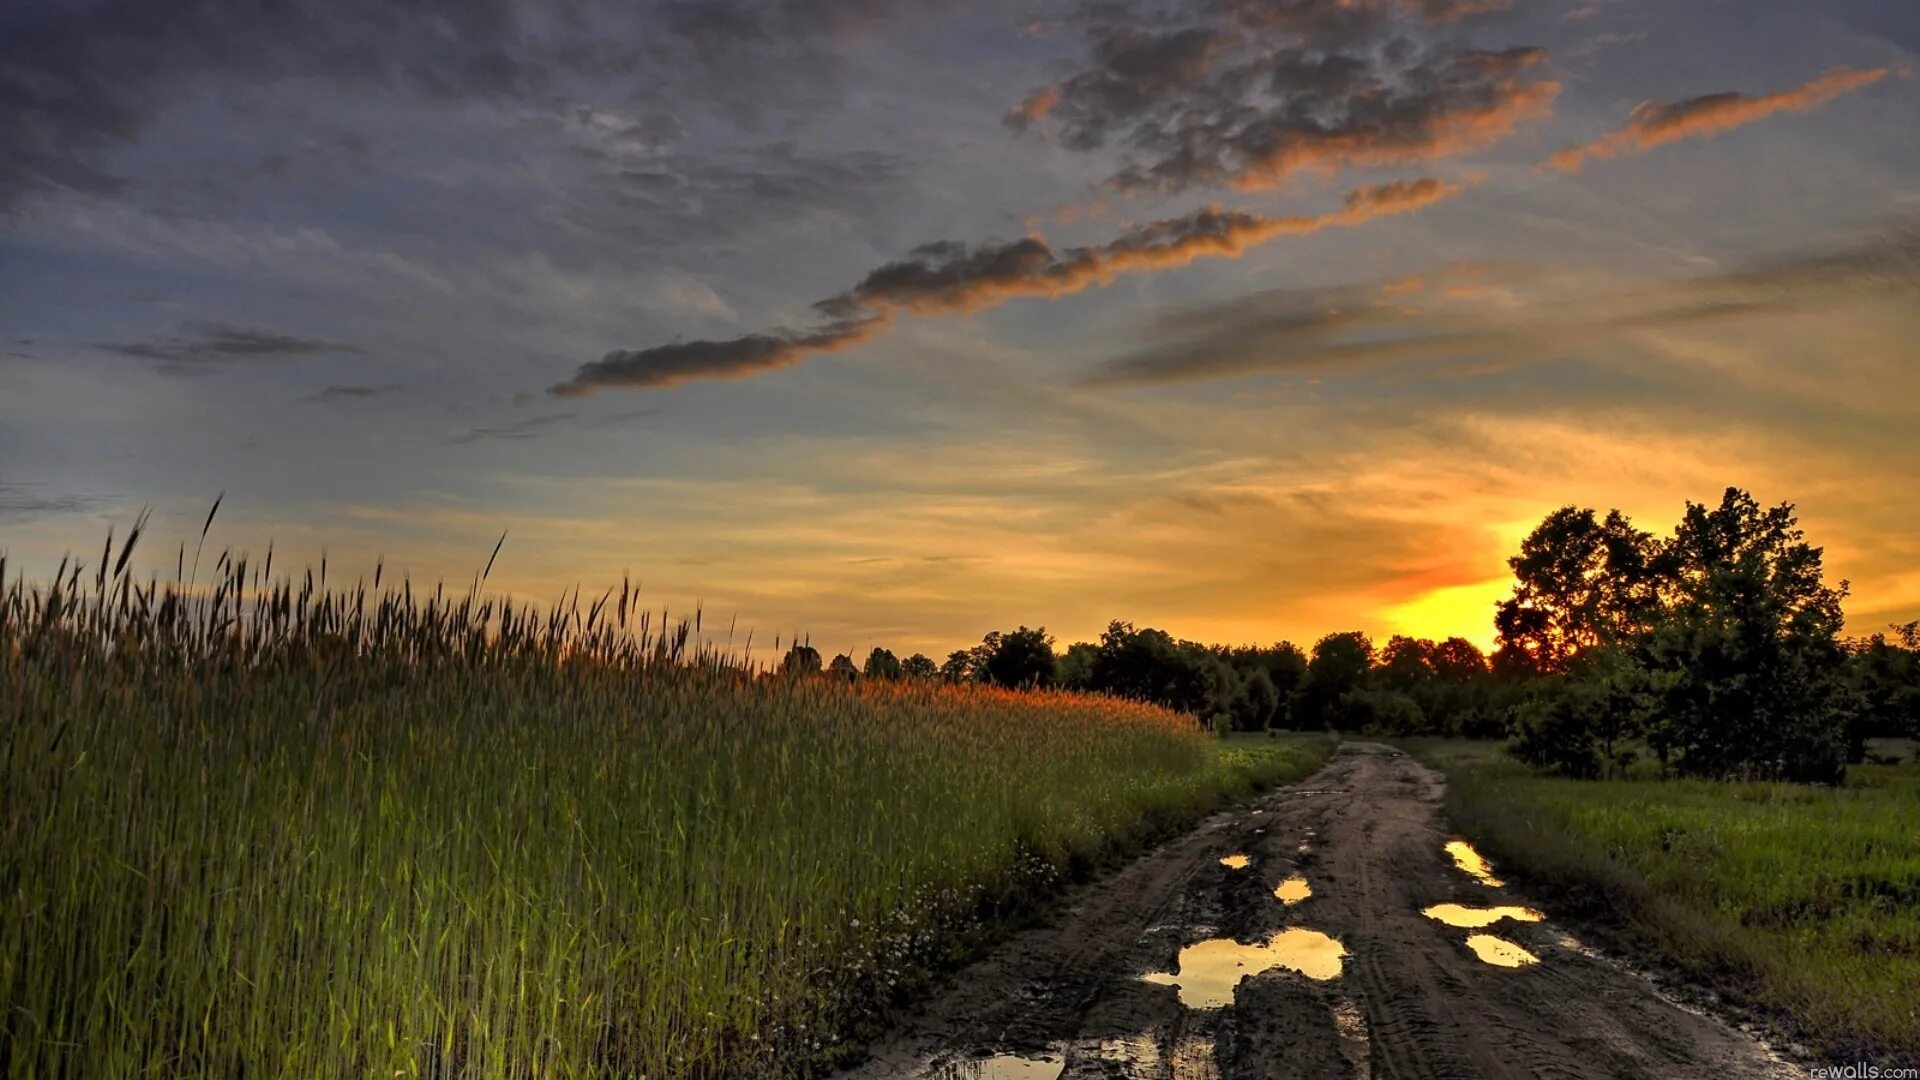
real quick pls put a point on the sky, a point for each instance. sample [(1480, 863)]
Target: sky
[(892, 323)]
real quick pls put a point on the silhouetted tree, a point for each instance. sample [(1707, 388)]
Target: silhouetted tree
[(1340, 665), (1020, 658), (842, 668), (959, 667), (1579, 583), (1073, 669), (801, 660), (882, 664), (919, 666)]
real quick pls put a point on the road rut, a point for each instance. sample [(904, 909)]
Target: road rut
[(1411, 1000)]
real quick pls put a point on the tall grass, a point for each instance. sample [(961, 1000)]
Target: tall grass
[(267, 826), (1802, 900)]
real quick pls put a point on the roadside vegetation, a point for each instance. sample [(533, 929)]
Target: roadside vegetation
[(261, 826), (1800, 900)]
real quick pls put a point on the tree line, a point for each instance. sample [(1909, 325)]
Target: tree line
[(1716, 651)]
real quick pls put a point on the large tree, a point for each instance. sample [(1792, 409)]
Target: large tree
[(1580, 582), (1021, 658), (1747, 661)]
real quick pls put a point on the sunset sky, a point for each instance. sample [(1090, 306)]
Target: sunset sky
[(893, 323)]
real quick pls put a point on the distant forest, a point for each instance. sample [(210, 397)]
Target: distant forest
[(1715, 651)]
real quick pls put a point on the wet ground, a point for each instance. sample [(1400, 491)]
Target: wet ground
[(1357, 938)]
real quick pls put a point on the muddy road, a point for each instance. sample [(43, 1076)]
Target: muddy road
[(1309, 934)]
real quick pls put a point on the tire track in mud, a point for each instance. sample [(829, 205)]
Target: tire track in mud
[(1411, 1001)]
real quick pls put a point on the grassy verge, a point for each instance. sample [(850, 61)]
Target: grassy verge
[(1801, 901), (268, 829)]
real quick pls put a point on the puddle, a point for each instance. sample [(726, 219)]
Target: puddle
[(1004, 1067), (1292, 891), (1208, 971), (1470, 862), (1474, 918), (1235, 862), (1499, 951)]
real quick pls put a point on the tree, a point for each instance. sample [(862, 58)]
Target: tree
[(1341, 664), (842, 668), (1748, 665), (1885, 678), (1149, 665), (1580, 583), (801, 660), (882, 664), (1021, 658), (959, 667), (919, 666), (1258, 702), (1074, 668), (1584, 725)]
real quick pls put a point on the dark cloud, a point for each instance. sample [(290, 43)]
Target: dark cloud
[(1356, 327), (22, 502), (665, 365), (535, 426), (201, 345), (1248, 94), (951, 276), (350, 392)]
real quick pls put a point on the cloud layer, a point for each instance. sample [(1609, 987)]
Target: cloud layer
[(1473, 320), (1655, 123), (1249, 95), (950, 276)]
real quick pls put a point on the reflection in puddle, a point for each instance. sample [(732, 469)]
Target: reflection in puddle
[(1473, 918), (1235, 862), (1209, 970), (1470, 862), (1499, 951), (1292, 891), (1004, 1067)]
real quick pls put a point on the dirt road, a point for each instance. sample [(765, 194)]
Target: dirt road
[(1138, 978)]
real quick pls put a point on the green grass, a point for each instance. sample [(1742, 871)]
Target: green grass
[(1802, 901), (271, 829)]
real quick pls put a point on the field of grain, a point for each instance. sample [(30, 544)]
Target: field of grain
[(269, 827), (1801, 900)]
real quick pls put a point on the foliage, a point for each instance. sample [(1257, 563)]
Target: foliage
[(1580, 583), (882, 664), (800, 660), (1020, 659), (1718, 646)]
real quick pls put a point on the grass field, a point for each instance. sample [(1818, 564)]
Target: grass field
[(279, 830), (1802, 900)]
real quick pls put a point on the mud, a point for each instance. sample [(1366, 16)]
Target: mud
[(1411, 998)]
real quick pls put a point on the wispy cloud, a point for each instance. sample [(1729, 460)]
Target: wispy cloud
[(1356, 327), (1655, 123), (535, 426), (23, 502), (951, 276), (350, 392), (201, 345)]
